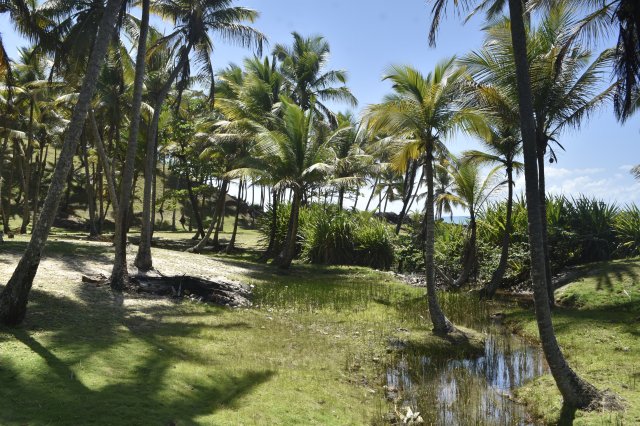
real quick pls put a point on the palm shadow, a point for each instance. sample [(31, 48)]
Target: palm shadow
[(66, 334)]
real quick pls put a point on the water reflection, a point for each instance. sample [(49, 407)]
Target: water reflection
[(468, 391)]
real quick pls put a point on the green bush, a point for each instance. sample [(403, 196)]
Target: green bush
[(627, 229), (329, 236), (340, 237)]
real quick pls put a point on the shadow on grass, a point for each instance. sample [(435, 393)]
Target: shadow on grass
[(607, 274), (93, 361), (69, 252)]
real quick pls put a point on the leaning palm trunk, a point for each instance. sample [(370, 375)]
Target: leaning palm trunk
[(14, 297), (441, 325), (119, 273), (408, 192), (575, 391), (285, 258), (102, 153), (490, 290), (91, 201), (215, 220)]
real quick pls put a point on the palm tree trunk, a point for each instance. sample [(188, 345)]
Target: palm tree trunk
[(26, 170), (575, 391), (415, 194), (273, 228), (104, 159), (340, 197), (42, 164), (469, 257), (285, 258), (496, 279), (5, 212), (441, 325), (407, 192), (373, 192), (14, 297), (93, 230), (232, 242), (194, 204), (543, 214), (119, 273)]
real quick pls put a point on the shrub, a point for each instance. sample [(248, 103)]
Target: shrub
[(340, 237), (627, 229), (329, 236)]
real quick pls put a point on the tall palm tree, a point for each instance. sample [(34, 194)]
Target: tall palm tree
[(194, 23), (502, 146), (119, 274), (575, 391), (425, 111), (309, 84), (298, 153), (30, 87), (601, 18), (14, 297), (564, 85)]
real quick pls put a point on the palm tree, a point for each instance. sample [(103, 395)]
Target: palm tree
[(247, 98), (470, 190), (298, 154), (576, 391), (502, 146), (442, 182), (193, 23), (424, 110), (30, 86), (308, 83), (119, 274), (603, 17), (14, 297), (564, 86), (352, 162)]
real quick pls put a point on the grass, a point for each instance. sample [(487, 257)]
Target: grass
[(598, 328), (309, 352)]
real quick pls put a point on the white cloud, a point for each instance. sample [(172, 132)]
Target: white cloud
[(608, 185)]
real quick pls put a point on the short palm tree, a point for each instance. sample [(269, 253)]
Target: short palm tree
[(564, 82), (424, 109), (471, 190), (352, 161)]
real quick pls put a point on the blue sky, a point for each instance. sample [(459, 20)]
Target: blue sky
[(366, 36)]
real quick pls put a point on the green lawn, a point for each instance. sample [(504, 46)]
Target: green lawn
[(598, 327), (312, 350), (308, 353)]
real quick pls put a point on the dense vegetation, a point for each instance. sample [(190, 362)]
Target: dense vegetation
[(105, 114)]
